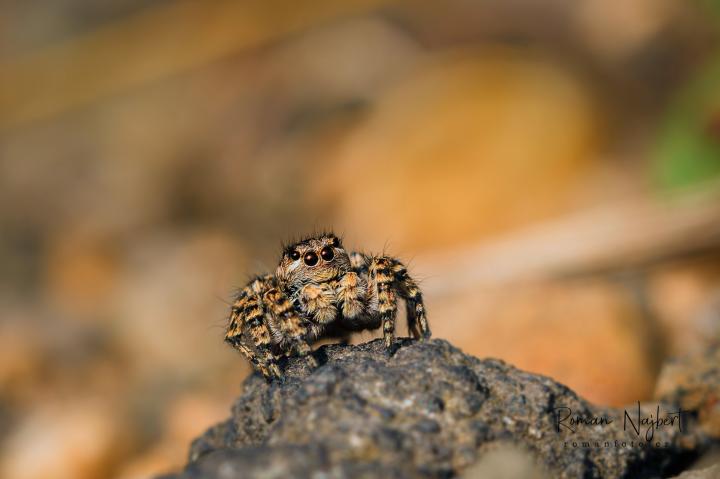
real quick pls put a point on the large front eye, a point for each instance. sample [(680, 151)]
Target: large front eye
[(295, 255), (310, 259), (327, 253)]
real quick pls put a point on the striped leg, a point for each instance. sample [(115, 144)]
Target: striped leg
[(291, 328), (262, 361), (249, 334), (381, 282), (417, 319)]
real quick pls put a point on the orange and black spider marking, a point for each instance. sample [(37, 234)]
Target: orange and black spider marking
[(320, 290)]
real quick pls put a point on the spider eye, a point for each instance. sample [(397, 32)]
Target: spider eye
[(327, 253), (310, 259), (295, 255), (335, 241)]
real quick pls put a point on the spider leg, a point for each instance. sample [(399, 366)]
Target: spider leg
[(416, 317), (381, 287), (291, 327), (390, 277), (246, 319)]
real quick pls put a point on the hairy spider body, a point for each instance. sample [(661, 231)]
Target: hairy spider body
[(319, 290)]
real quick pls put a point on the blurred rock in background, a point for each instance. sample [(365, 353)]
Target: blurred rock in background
[(550, 171)]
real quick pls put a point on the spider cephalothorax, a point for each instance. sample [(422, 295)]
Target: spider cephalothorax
[(314, 260), (320, 290)]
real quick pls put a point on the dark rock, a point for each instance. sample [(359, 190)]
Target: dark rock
[(427, 411), (707, 473)]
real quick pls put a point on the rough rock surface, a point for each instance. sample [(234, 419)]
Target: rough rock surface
[(429, 410)]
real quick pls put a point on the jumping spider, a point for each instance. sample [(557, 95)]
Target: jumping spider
[(319, 290)]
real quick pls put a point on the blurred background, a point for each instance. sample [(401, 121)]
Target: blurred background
[(548, 169)]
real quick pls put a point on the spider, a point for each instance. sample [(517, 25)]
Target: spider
[(319, 290)]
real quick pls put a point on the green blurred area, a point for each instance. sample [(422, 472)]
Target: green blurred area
[(689, 142)]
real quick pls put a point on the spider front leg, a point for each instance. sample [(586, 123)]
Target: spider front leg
[(381, 278), (415, 308), (291, 327), (388, 276), (246, 319)]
